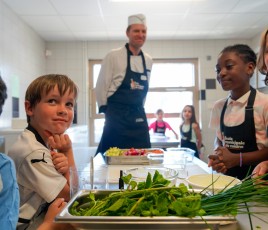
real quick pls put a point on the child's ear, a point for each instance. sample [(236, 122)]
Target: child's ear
[(251, 68), (28, 108)]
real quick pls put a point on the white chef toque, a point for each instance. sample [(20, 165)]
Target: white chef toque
[(137, 19)]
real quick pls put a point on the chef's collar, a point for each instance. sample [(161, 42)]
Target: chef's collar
[(127, 46)]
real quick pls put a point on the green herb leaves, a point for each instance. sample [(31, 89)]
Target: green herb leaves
[(150, 198)]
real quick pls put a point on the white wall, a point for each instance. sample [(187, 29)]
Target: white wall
[(70, 58), (21, 59)]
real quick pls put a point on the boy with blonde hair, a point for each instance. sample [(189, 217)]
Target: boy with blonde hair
[(43, 153)]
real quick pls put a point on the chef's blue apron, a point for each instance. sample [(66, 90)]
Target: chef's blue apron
[(241, 138), (125, 119), (186, 141), (160, 130)]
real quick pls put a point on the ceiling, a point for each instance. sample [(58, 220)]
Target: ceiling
[(88, 20)]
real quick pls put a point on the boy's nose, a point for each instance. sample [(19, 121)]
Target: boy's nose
[(62, 111)]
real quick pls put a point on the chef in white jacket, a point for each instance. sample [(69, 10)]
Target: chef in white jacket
[(121, 90)]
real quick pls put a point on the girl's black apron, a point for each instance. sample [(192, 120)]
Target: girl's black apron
[(186, 140), (160, 130), (125, 119), (241, 138)]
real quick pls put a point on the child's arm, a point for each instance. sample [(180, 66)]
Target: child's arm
[(54, 209), (170, 128), (198, 135), (152, 126), (228, 159), (63, 145), (60, 161), (176, 135)]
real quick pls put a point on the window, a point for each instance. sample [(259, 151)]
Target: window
[(173, 84)]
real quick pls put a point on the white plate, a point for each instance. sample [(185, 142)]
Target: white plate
[(216, 182)]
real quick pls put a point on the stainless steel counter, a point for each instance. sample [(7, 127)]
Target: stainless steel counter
[(195, 167), (163, 142)]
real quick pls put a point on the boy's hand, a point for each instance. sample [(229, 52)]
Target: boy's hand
[(55, 208), (61, 142), (60, 162), (60, 145)]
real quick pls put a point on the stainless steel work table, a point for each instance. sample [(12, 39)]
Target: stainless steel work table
[(163, 142), (195, 167)]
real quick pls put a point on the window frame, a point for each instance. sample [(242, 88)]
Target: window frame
[(93, 110)]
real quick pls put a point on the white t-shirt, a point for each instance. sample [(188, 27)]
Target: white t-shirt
[(39, 182), (235, 115)]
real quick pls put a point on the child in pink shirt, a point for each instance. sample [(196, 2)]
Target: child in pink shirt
[(159, 126)]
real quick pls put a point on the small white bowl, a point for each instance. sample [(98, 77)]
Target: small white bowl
[(215, 182)]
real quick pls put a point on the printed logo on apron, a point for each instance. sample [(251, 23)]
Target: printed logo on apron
[(135, 85), (139, 120), (230, 143), (143, 78)]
